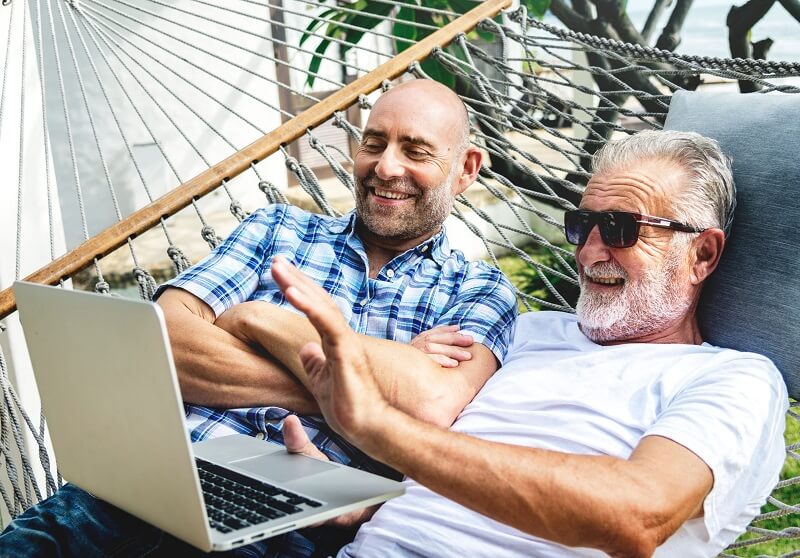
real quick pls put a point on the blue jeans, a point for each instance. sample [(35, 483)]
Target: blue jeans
[(72, 522)]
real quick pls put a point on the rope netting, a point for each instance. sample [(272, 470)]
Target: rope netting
[(139, 97)]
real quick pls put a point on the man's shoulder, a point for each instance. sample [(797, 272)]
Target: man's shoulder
[(291, 216)]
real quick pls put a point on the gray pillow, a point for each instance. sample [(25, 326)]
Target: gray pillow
[(752, 301)]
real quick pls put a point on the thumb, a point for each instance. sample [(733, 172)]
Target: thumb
[(313, 360), (296, 439)]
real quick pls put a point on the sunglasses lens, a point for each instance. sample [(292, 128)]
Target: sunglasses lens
[(619, 229), (577, 225)]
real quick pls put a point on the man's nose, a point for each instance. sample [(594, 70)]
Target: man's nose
[(389, 165), (594, 250)]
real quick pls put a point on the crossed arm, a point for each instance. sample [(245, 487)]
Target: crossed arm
[(242, 358), (625, 507)]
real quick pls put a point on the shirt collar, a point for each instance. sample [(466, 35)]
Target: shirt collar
[(436, 247), (344, 224)]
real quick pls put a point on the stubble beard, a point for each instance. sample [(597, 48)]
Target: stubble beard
[(430, 209), (641, 308)]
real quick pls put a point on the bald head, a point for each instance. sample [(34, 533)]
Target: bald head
[(435, 101)]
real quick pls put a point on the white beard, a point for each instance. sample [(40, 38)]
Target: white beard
[(641, 308)]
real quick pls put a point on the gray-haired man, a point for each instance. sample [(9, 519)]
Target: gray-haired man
[(617, 432)]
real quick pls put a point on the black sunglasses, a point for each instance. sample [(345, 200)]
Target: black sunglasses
[(618, 229)]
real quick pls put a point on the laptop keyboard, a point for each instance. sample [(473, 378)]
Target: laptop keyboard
[(235, 501)]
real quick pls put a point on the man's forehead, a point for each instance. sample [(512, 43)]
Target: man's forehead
[(416, 115), (401, 133), (646, 186)]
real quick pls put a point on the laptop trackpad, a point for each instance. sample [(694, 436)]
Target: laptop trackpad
[(283, 467)]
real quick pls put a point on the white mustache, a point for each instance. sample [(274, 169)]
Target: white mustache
[(605, 269)]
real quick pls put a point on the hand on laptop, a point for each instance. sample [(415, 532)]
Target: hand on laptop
[(296, 441)]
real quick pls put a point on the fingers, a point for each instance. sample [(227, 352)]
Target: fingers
[(444, 345), (454, 338), (310, 299), (448, 351), (296, 440), (443, 361), (313, 360)]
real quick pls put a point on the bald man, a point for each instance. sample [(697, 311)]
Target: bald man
[(390, 271)]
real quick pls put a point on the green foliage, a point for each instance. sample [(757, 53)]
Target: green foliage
[(528, 280), (788, 495), (341, 24)]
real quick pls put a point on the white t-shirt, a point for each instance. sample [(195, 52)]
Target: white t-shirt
[(557, 390)]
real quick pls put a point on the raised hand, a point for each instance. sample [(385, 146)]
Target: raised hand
[(338, 371), (443, 345)]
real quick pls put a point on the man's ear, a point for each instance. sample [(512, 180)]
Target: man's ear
[(706, 252), (473, 157)]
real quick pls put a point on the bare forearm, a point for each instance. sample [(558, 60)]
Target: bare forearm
[(217, 369), (576, 500), (419, 387)]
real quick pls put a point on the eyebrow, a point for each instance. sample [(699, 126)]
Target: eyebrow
[(416, 140)]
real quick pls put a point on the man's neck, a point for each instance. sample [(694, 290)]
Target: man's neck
[(683, 331), (381, 250)]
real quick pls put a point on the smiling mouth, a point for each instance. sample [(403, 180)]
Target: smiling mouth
[(390, 194), (606, 280)]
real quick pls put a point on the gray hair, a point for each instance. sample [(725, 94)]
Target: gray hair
[(710, 198)]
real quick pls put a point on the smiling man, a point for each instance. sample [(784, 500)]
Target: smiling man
[(388, 267), (616, 432)]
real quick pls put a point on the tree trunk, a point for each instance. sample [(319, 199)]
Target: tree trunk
[(652, 19), (793, 7), (740, 21), (671, 35)]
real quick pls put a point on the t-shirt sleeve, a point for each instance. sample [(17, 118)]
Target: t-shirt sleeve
[(484, 307), (230, 273), (733, 418)]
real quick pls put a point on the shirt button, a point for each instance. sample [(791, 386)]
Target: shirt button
[(363, 302), (260, 436), (425, 248), (390, 273)]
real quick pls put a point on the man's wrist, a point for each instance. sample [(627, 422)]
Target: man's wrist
[(374, 435)]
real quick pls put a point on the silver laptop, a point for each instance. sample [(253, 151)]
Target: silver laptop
[(105, 373)]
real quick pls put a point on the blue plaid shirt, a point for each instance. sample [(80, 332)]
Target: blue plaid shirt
[(427, 286)]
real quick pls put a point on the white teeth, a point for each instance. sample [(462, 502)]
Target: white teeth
[(388, 194), (607, 280)]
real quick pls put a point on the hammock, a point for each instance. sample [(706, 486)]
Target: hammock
[(114, 113)]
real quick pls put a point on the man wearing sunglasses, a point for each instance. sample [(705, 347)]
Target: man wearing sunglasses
[(617, 431)]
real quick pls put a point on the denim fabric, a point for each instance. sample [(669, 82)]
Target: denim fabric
[(750, 302), (73, 523)]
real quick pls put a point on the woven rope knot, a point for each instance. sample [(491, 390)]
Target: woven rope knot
[(238, 211), (178, 258), (292, 164), (363, 102), (102, 287), (338, 118), (210, 236), (266, 186), (313, 141), (147, 285)]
